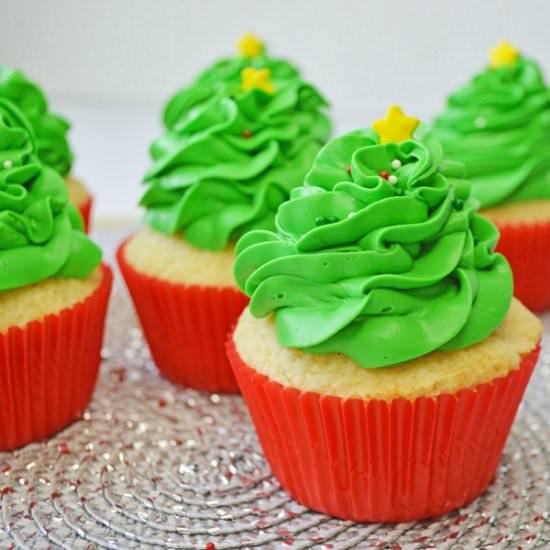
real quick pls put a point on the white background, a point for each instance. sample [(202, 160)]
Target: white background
[(109, 65)]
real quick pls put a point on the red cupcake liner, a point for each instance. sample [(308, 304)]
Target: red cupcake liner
[(186, 327), (527, 248), (85, 210), (48, 369), (383, 461)]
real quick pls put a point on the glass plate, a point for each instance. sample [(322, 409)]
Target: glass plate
[(151, 465)]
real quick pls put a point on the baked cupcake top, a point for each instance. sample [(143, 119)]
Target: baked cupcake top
[(50, 129), (233, 157), (41, 233), (381, 255), (251, 52), (498, 125)]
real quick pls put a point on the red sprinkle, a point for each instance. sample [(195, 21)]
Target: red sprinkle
[(384, 174), (56, 494), (6, 491), (210, 546), (120, 373), (63, 449), (461, 519), (162, 403), (247, 134)]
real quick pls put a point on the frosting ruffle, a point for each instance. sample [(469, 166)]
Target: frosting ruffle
[(380, 256), (498, 125), (231, 159), (50, 129), (222, 77), (41, 233)]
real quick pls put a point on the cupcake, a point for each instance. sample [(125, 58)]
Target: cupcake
[(221, 169), (50, 131), (382, 357), (498, 125), (53, 293)]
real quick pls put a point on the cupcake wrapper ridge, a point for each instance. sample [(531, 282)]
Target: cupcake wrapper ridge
[(48, 369), (186, 327), (527, 248), (383, 461)]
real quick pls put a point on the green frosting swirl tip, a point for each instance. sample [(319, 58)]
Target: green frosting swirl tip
[(224, 77), (380, 255), (498, 125), (41, 233)]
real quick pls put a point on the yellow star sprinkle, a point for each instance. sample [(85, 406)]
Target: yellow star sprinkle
[(396, 126), (504, 54), (249, 45), (256, 78)]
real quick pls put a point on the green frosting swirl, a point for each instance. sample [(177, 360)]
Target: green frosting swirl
[(231, 160), (498, 125), (50, 129), (382, 272), (41, 233), (224, 76)]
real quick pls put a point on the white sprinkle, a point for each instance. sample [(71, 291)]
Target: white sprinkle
[(480, 122), (8, 164), (392, 179), (395, 164)]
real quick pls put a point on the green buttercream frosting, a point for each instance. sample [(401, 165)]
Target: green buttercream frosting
[(232, 159), (498, 125), (50, 129), (41, 233), (223, 76), (381, 270)]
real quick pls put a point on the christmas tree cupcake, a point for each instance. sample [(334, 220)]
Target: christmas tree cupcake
[(50, 130), (498, 125), (53, 293), (382, 356), (220, 171)]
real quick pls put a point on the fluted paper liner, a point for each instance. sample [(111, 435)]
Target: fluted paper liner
[(48, 369), (527, 248), (383, 461), (85, 210), (186, 327)]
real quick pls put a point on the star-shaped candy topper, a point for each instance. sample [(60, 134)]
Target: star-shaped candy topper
[(256, 78), (250, 46), (503, 55), (396, 126)]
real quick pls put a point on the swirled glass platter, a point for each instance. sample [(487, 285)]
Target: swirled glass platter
[(151, 465)]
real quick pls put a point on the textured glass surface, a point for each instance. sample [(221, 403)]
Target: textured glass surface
[(155, 466)]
